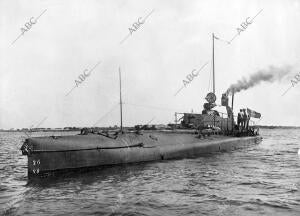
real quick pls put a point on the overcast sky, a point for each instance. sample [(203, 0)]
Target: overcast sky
[(71, 37)]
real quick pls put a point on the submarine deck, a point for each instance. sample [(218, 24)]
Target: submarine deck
[(146, 139), (52, 154)]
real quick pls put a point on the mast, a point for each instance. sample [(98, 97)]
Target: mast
[(232, 117), (121, 119), (213, 61)]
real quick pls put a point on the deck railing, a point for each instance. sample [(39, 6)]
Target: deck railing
[(214, 121)]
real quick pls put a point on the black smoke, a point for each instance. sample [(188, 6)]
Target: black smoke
[(269, 75)]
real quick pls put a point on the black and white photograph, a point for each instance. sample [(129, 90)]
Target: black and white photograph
[(150, 107)]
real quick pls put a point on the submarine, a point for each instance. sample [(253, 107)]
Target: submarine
[(191, 135)]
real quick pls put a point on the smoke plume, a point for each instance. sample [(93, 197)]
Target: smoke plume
[(269, 75)]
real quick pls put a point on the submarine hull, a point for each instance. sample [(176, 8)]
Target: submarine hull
[(57, 154)]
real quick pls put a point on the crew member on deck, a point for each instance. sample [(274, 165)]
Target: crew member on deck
[(244, 118), (248, 119), (240, 119)]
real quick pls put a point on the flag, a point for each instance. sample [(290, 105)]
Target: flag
[(253, 113)]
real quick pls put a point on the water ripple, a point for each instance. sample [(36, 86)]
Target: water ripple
[(260, 180)]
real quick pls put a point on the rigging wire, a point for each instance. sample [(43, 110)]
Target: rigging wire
[(110, 111), (152, 107), (224, 41), (150, 120), (210, 76), (135, 105)]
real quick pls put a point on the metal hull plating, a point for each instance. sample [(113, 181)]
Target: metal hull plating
[(45, 157)]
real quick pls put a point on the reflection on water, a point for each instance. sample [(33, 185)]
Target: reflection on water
[(262, 179)]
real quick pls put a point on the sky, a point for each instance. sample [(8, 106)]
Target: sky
[(173, 38)]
